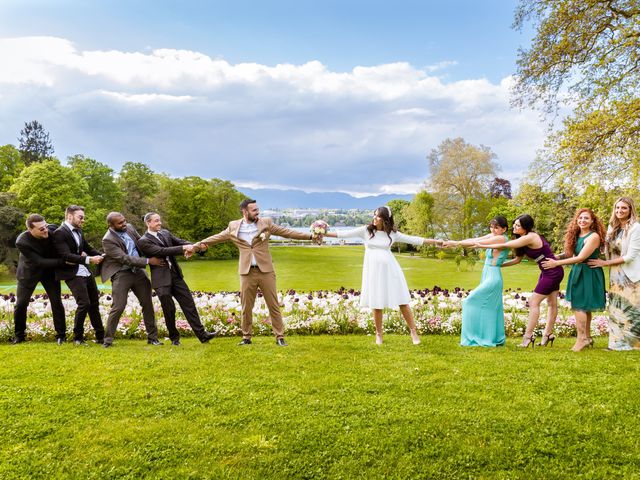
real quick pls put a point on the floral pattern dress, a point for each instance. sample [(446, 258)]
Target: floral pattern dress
[(624, 305)]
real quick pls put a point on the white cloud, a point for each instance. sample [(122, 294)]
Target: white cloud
[(303, 126)]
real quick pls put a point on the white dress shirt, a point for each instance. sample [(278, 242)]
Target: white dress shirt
[(248, 232), (82, 270)]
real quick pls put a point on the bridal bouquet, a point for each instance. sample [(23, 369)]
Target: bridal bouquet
[(318, 230)]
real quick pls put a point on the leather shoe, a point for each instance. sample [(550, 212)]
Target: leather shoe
[(61, 341), (99, 342), (245, 341), (206, 336), (107, 345), (175, 343), (154, 342), (281, 343), (17, 340), (80, 343)]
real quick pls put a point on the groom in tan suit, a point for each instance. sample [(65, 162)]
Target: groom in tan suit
[(251, 236)]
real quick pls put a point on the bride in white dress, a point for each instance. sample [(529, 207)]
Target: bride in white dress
[(383, 283)]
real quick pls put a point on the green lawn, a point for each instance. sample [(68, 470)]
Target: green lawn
[(329, 268), (326, 407)]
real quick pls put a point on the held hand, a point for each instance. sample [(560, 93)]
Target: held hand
[(158, 262), (201, 247), (189, 249), (96, 260), (596, 262), (188, 254), (548, 263)]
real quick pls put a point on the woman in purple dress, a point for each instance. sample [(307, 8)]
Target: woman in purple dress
[(534, 246)]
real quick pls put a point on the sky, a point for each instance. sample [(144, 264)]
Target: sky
[(320, 95)]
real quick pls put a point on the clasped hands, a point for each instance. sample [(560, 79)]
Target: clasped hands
[(317, 238), (189, 250)]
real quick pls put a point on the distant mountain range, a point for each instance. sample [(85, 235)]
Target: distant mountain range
[(272, 198)]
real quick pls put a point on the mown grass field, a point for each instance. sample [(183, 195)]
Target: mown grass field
[(329, 268), (328, 407)]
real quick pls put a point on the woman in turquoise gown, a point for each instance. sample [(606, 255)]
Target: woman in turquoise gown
[(482, 311)]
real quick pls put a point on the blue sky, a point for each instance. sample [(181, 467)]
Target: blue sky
[(317, 95)]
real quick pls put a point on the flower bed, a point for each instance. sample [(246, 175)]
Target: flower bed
[(436, 311)]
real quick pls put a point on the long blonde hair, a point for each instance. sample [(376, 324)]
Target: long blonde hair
[(615, 225)]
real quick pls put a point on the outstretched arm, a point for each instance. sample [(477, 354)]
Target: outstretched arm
[(523, 241), (592, 243)]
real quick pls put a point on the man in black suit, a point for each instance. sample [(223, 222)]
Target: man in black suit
[(37, 263), (78, 255), (125, 267), (168, 281)]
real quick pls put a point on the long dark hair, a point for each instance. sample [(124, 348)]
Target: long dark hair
[(388, 224), (526, 222), (499, 221)]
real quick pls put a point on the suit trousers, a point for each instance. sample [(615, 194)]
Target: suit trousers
[(25, 290), (85, 291), (249, 285), (180, 291), (121, 283)]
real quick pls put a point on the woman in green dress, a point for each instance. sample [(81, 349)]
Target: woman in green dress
[(585, 287), (482, 310), (622, 249)]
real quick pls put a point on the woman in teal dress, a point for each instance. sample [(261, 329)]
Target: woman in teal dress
[(482, 311), (585, 287)]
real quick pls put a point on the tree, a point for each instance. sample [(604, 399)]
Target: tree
[(100, 179), (10, 166), (397, 208), (35, 145), (460, 175), (138, 184), (11, 218), (195, 208), (584, 56), (419, 214), (500, 187), (48, 188)]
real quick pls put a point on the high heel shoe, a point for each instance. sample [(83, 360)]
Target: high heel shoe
[(581, 345), (526, 341), (415, 338), (547, 340)]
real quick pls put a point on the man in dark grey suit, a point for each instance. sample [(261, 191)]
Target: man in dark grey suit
[(124, 266), (37, 263), (168, 280), (78, 254)]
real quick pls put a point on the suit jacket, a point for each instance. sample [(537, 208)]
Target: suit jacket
[(116, 256), (67, 248), (38, 256), (260, 245), (152, 247)]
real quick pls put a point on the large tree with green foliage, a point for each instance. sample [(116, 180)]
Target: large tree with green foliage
[(11, 222), (138, 185), (10, 166), (585, 56), (194, 208), (48, 188), (35, 145), (461, 175)]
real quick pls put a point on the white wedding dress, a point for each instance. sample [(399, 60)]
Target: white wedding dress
[(383, 283)]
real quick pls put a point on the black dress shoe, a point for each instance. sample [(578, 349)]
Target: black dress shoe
[(80, 343), (107, 345), (154, 342), (206, 336), (99, 342), (60, 341), (281, 343), (175, 343), (17, 340), (245, 341)]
